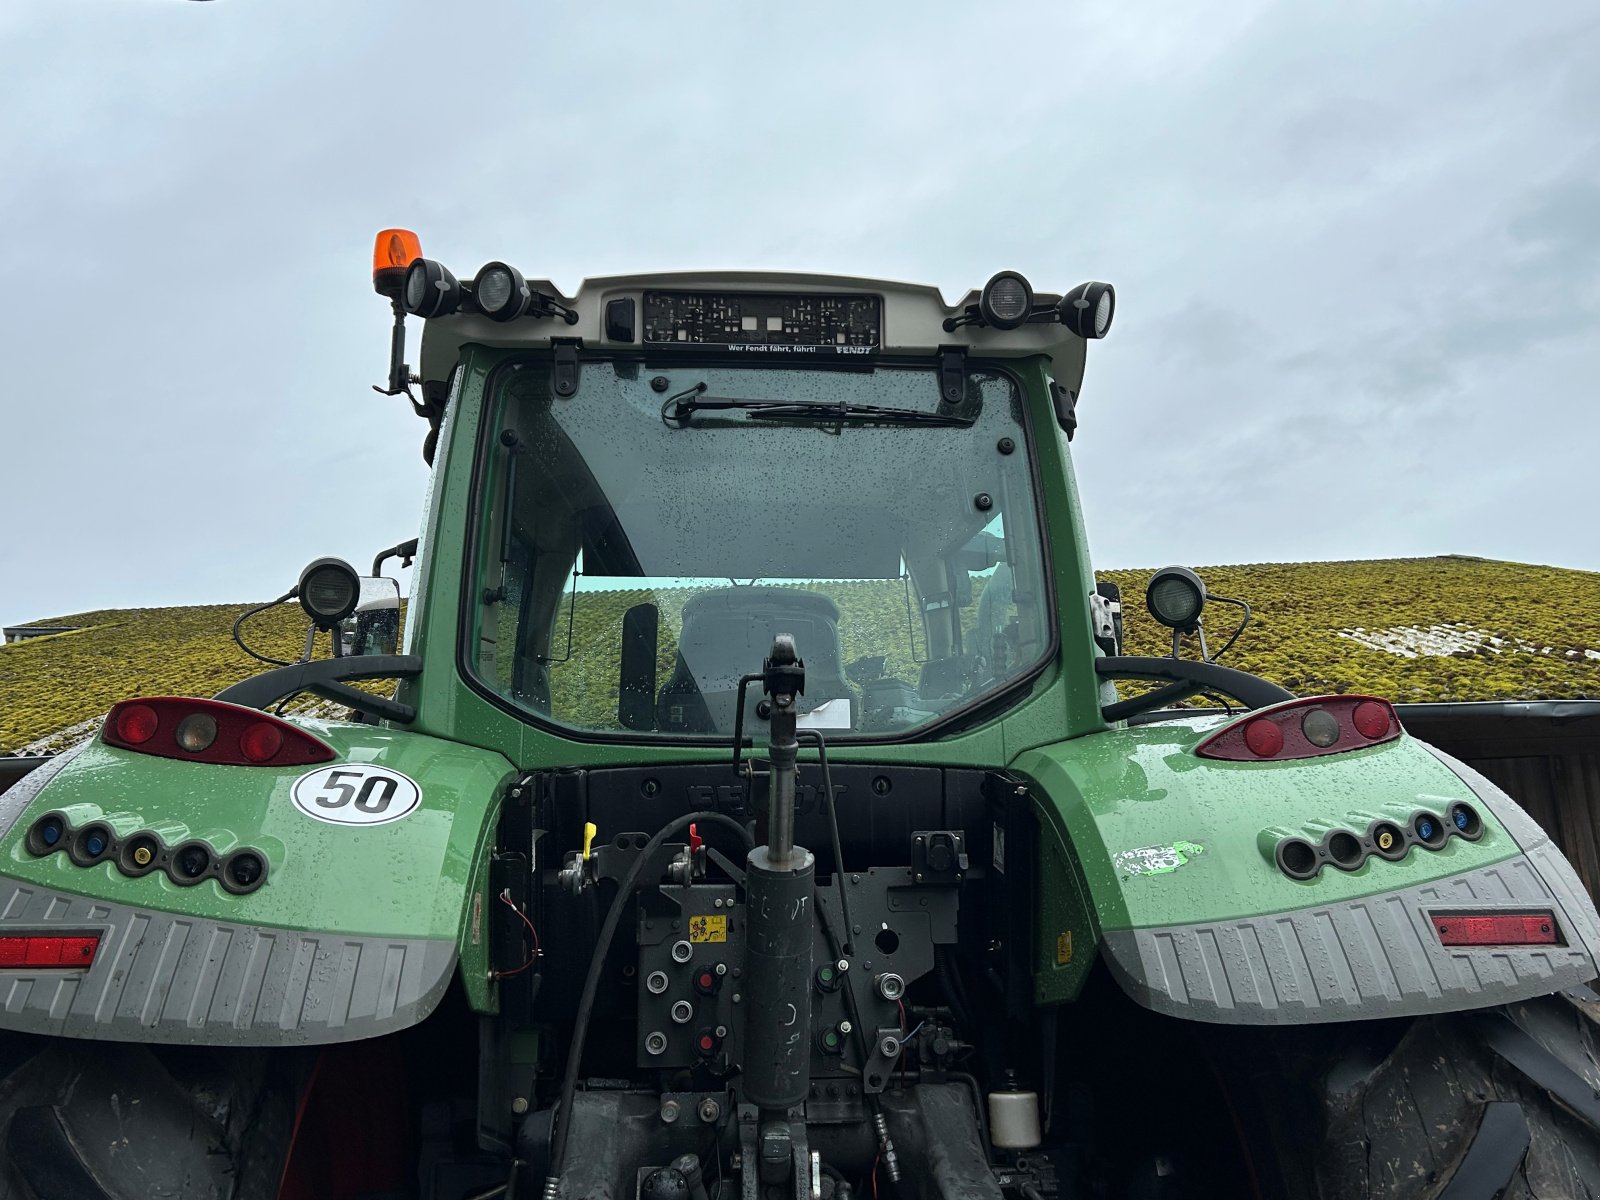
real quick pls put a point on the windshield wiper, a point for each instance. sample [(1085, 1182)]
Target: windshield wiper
[(676, 411), (866, 414)]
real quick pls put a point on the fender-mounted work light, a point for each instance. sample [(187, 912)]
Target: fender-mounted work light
[(431, 291), (392, 252), (329, 589), (1006, 301), (1088, 308), (501, 291), (1176, 597)]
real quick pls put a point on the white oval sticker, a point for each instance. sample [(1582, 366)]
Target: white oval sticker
[(356, 794)]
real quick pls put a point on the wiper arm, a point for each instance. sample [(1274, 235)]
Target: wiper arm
[(676, 411), (866, 414)]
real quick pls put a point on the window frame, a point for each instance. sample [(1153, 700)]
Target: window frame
[(973, 711)]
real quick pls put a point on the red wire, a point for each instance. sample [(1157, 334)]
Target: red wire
[(875, 1175), (505, 899), (901, 1004), (299, 1116)]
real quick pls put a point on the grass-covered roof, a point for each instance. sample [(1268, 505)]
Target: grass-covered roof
[(1409, 629)]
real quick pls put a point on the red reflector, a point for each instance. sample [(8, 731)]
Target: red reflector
[(1371, 719), (41, 950), (137, 723), (260, 741), (244, 737), (1496, 929), (1264, 738)]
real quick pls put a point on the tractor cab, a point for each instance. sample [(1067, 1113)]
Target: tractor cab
[(668, 471)]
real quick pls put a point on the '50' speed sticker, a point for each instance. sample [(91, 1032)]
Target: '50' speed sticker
[(356, 794)]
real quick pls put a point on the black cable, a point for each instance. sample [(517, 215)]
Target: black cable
[(960, 986), (836, 949), (250, 612), (1243, 625), (591, 982), (946, 971), (833, 833)]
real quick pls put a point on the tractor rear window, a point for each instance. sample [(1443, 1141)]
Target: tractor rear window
[(643, 542)]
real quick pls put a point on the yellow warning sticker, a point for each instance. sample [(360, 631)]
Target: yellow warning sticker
[(1064, 948), (708, 928)]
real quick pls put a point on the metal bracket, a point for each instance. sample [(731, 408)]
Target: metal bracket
[(1105, 609), (938, 856), (952, 374), (1066, 404), (564, 374), (886, 1049)]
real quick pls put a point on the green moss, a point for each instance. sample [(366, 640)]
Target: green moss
[(1301, 608), (51, 683)]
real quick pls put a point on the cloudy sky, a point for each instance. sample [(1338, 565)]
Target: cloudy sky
[(1357, 249)]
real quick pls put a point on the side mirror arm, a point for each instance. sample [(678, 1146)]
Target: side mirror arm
[(1188, 678), (325, 677)]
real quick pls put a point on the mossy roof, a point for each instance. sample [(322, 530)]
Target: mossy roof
[(1429, 629)]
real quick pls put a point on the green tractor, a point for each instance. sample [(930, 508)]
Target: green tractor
[(755, 815)]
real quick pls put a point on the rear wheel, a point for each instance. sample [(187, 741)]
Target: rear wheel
[(114, 1121), (1498, 1102)]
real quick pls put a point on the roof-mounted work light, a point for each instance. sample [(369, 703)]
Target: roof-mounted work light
[(1006, 301), (329, 589), (392, 252), (1088, 308), (501, 291), (430, 289), (1176, 597)]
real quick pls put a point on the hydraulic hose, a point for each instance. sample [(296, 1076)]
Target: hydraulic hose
[(812, 735), (591, 981)]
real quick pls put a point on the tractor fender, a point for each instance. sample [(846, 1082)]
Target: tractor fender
[(355, 930), (1195, 917)]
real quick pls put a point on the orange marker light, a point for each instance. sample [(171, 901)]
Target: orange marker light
[(392, 252)]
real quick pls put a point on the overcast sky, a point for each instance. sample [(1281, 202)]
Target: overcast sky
[(1356, 247)]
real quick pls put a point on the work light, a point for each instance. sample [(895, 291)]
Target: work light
[(1088, 308), (1006, 301), (328, 590), (501, 292), (430, 291), (1175, 597)]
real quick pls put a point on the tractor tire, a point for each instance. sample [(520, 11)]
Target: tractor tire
[(84, 1120), (1493, 1104)]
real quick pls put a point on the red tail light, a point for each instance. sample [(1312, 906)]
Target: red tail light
[(48, 950), (1496, 929), (1306, 728), (211, 731)]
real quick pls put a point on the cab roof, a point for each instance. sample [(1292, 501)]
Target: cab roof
[(913, 320)]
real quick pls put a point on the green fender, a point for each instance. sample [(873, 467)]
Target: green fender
[(1164, 861), (356, 931)]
